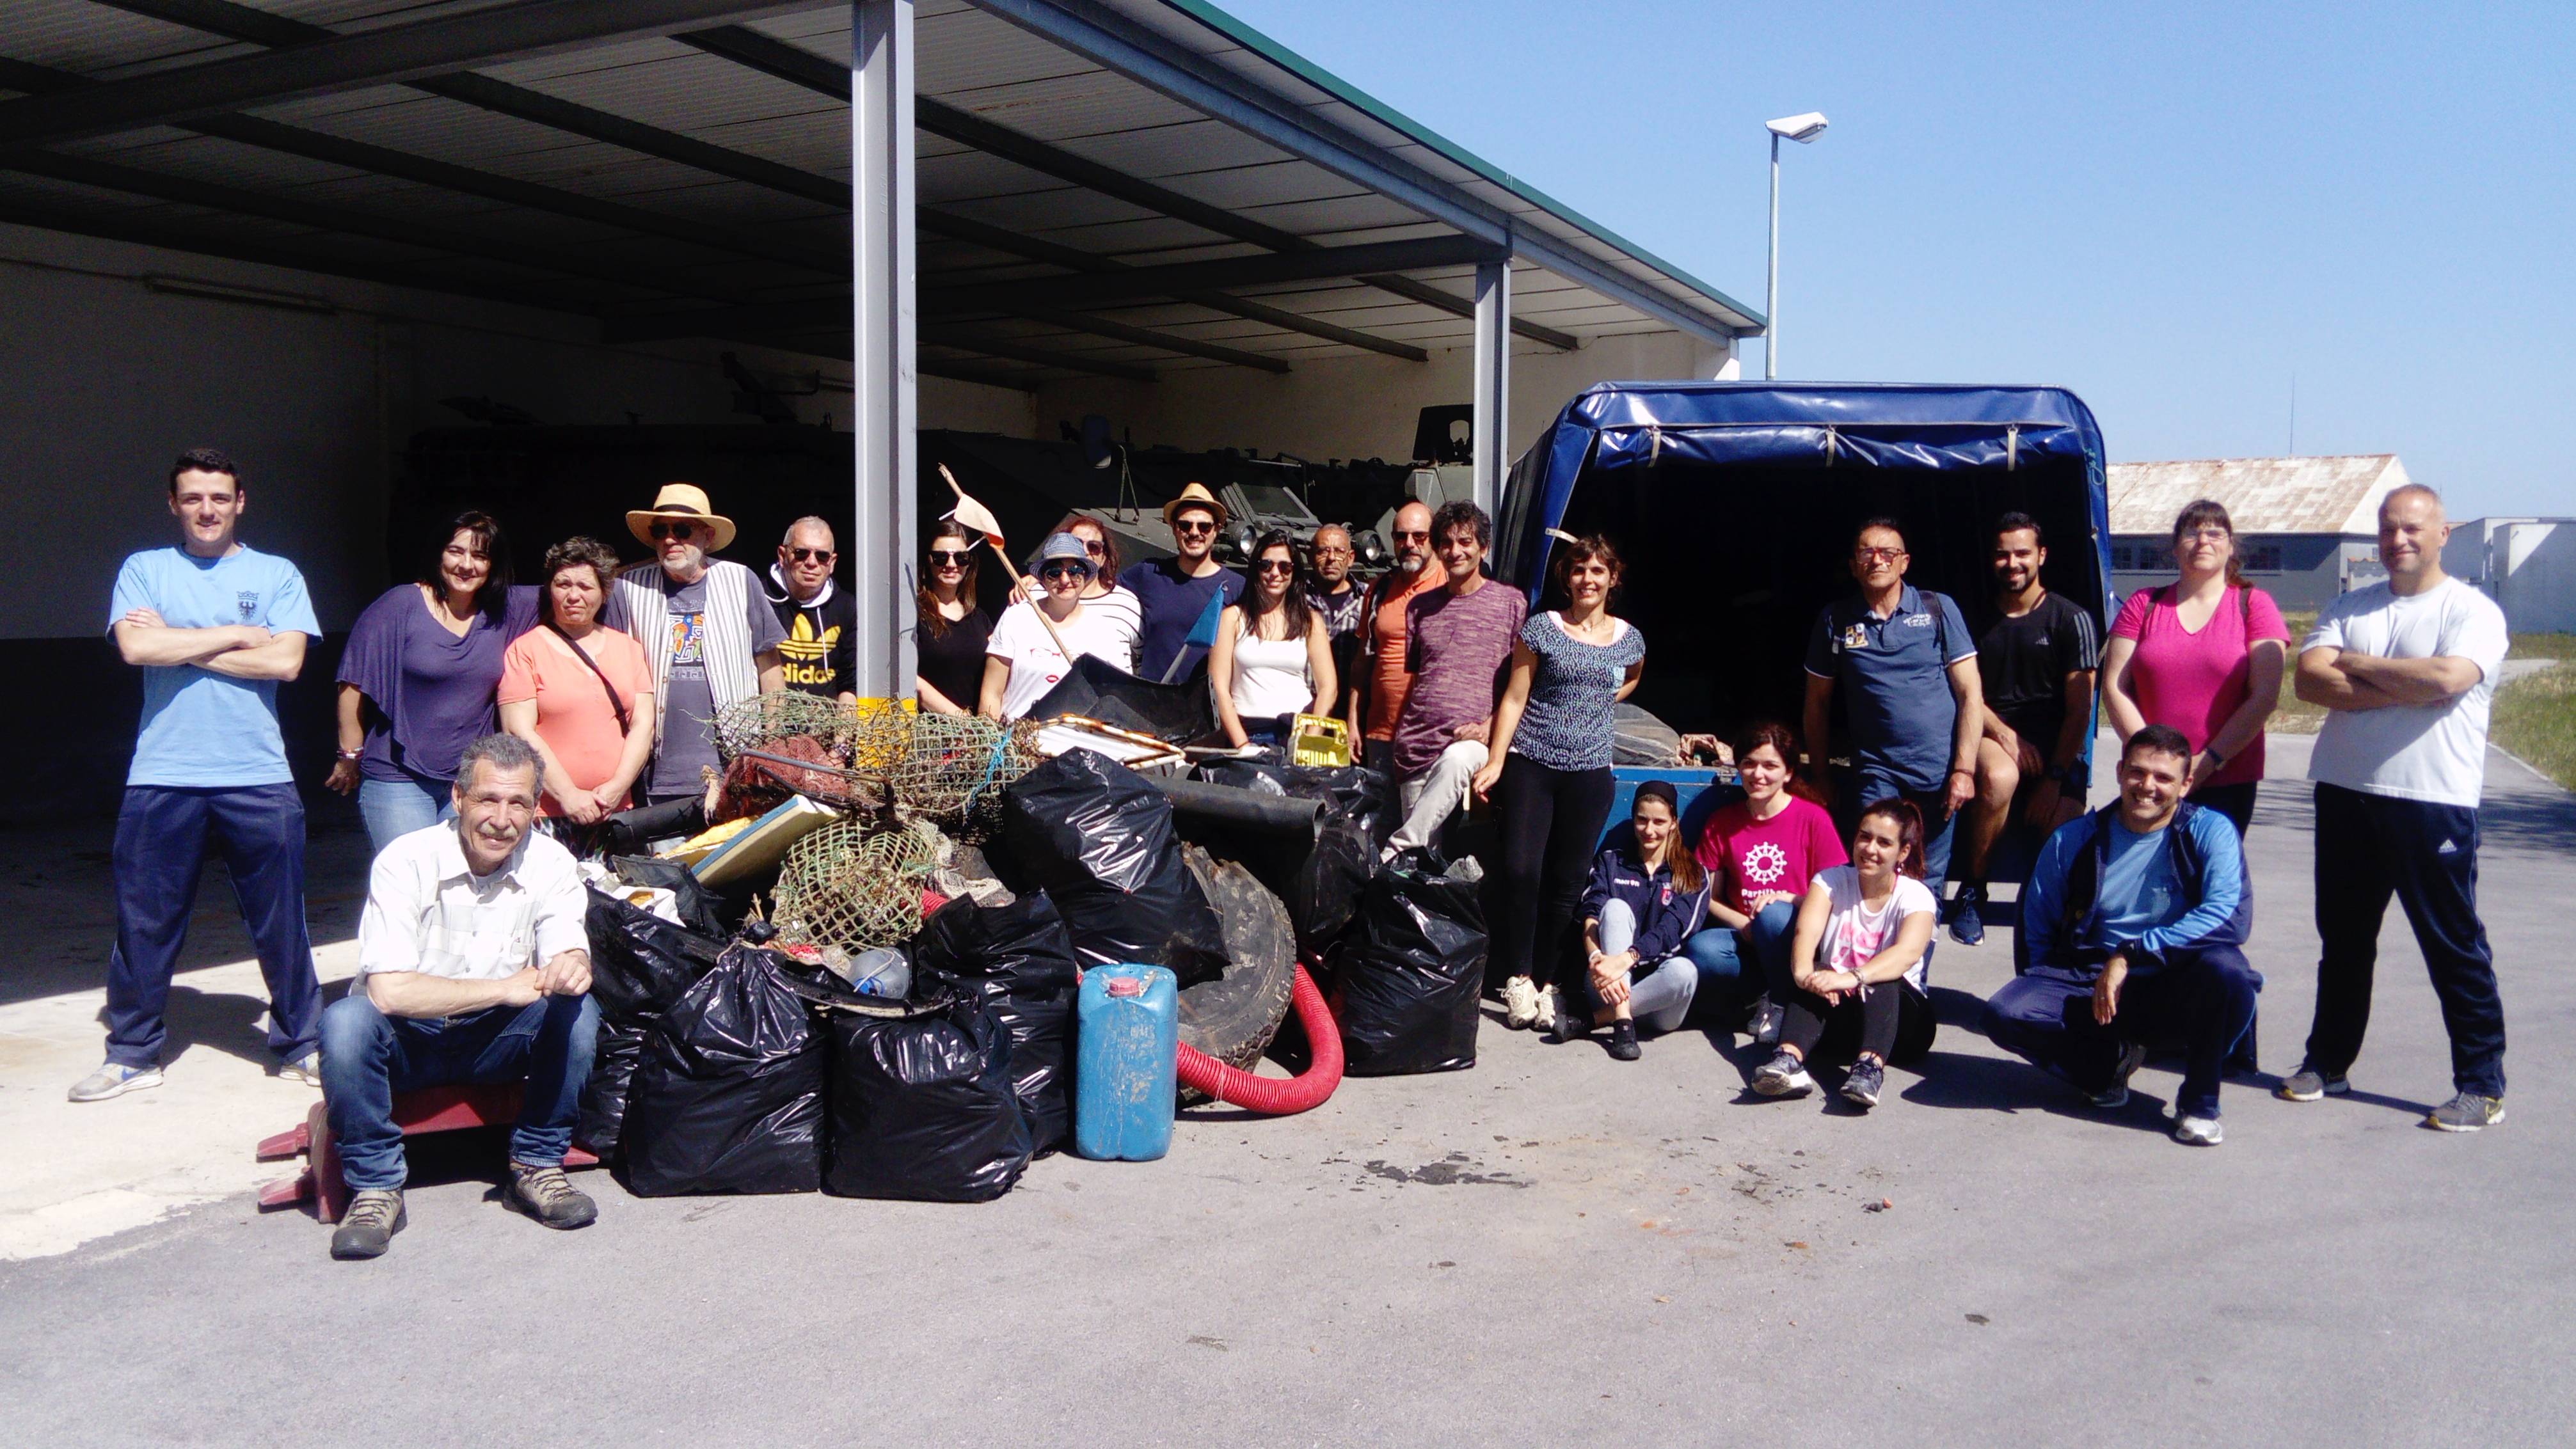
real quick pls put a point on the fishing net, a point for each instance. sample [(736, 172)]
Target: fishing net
[(956, 767), (855, 885), (949, 769), (765, 721)]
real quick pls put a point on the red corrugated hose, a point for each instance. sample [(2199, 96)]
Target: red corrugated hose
[(1272, 1096)]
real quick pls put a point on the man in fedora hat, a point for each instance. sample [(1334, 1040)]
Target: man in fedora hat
[(706, 625), (1175, 592)]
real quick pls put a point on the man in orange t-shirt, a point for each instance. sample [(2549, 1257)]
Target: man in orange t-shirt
[(1378, 691)]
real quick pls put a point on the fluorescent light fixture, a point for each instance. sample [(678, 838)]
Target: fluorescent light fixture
[(247, 296), (1798, 128)]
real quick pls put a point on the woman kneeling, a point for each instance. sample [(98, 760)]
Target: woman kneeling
[(1641, 905), (1864, 931)]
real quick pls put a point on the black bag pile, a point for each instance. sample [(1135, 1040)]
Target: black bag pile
[(1409, 973), (1017, 960), (640, 965), (1099, 840), (1321, 880), (924, 1108), (729, 1095)]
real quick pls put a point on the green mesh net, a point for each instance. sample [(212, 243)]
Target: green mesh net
[(854, 884)]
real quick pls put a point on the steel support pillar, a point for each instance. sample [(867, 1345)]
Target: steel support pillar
[(1492, 422), (884, 538)]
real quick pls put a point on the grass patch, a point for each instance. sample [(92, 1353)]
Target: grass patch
[(2542, 646), (2535, 718), (2296, 716)]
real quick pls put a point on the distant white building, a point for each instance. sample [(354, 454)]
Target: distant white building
[(2527, 565), (2307, 529)]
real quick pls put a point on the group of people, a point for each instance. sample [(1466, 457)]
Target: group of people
[(486, 729)]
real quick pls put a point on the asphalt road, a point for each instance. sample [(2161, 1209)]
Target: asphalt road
[(1552, 1247)]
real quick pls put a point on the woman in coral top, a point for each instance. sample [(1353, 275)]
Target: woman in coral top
[(581, 693), (2203, 654)]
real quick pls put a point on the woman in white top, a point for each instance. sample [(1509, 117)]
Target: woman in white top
[(1272, 658), (1118, 609), (1025, 658), (1864, 932)]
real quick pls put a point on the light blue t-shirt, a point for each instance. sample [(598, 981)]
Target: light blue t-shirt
[(2139, 892), (201, 729)]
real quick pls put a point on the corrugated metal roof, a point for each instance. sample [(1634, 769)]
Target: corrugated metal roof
[(2337, 495)]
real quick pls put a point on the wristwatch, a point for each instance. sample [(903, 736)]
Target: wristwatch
[(2217, 760)]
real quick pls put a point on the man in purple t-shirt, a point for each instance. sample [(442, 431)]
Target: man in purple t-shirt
[(1457, 640)]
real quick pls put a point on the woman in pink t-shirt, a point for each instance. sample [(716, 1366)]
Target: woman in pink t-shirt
[(2203, 654), (1760, 853)]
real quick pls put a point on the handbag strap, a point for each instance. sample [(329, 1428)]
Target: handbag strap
[(624, 721)]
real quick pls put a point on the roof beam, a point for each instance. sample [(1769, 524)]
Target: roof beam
[(349, 62), (936, 335), (1147, 337), (790, 62)]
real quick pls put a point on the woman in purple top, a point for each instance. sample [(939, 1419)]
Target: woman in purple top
[(417, 676)]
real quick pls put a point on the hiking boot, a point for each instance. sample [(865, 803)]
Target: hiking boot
[(1563, 1024), (1866, 1081), (306, 1069), (2132, 1056), (2466, 1112), (544, 1193), (1783, 1076), (1765, 1029), (1967, 915), (2307, 1084), (1623, 1042), (2198, 1131), (368, 1227), (112, 1080), (1520, 1003)]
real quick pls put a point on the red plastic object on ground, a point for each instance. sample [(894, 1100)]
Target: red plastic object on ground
[(1270, 1095), (431, 1109)]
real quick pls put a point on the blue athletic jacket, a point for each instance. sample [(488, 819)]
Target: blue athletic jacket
[(1665, 916), (2058, 908)]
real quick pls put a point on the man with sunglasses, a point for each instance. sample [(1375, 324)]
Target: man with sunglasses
[(1908, 665), (1177, 592), (1379, 683), (820, 652), (705, 624)]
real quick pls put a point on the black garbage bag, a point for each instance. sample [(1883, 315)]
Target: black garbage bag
[(923, 1107), (640, 965), (701, 910), (1319, 873), (1097, 689), (1098, 838), (1410, 972), (729, 1094), (1018, 960), (1365, 795), (601, 1124)]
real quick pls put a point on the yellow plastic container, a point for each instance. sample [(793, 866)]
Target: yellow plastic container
[(1316, 739)]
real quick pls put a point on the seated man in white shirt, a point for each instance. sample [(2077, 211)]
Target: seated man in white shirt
[(473, 966)]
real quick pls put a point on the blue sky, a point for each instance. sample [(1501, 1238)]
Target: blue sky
[(2172, 208)]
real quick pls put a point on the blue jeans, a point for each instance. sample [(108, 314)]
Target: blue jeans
[(368, 1056), (1726, 978), (2204, 995), (1860, 787), (160, 851), (396, 808)]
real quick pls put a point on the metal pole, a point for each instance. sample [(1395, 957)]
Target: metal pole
[(1771, 297), (1493, 381), (886, 522)]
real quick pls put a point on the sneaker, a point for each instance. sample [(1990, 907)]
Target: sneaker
[(2198, 1131), (1520, 1003), (1546, 1018), (1862, 1087), (306, 1069), (111, 1080), (2307, 1084), (1783, 1076), (1766, 1022), (544, 1193), (1562, 1026), (1623, 1042), (1967, 915), (2132, 1057), (2466, 1112), (368, 1227)]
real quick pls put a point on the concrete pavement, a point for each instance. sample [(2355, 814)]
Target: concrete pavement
[(1554, 1247)]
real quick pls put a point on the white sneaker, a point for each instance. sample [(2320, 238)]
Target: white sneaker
[(2198, 1131), (112, 1080), (1546, 1018), (1520, 1003)]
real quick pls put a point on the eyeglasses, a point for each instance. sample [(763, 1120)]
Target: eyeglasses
[(818, 555), (1195, 525), (1867, 554), (1096, 550), (1278, 566), (1064, 568), (2208, 535), (681, 531), (943, 557)]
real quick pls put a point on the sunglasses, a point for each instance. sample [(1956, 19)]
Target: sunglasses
[(943, 557), (1195, 525), (1065, 568), (681, 531), (811, 555), (1277, 566), (1420, 536)]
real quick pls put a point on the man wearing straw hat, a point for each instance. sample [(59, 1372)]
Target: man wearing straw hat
[(707, 627), (1177, 593)]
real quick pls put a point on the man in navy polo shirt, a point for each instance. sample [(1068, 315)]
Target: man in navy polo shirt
[(1908, 665)]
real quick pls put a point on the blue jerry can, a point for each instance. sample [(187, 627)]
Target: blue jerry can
[(1127, 1047)]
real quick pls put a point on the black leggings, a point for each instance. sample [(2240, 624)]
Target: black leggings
[(1894, 1020), (1551, 827)]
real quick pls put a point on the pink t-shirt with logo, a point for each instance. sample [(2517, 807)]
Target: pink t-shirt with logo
[(1782, 853), (2193, 682)]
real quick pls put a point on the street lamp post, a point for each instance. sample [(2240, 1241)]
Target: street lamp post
[(1803, 129)]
